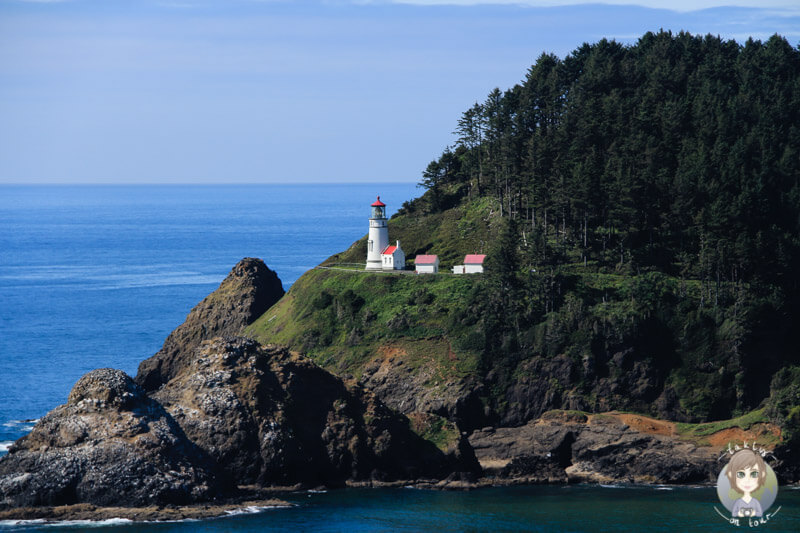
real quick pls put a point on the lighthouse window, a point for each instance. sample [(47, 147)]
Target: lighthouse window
[(370, 245)]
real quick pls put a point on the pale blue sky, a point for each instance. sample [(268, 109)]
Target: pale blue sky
[(242, 91)]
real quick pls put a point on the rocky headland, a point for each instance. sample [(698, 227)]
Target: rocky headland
[(215, 419)]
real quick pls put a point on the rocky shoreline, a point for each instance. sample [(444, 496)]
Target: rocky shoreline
[(215, 423), (91, 513)]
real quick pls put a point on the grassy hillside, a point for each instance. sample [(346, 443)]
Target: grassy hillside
[(343, 318)]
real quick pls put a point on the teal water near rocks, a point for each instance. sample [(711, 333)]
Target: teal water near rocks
[(95, 277), (539, 508)]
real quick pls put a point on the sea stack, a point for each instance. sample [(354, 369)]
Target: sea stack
[(249, 290)]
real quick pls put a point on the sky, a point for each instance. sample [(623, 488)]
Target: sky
[(279, 91)]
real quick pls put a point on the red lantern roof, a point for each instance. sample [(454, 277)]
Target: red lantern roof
[(378, 203)]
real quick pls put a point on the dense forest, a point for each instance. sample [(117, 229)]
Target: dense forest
[(679, 153), (674, 162)]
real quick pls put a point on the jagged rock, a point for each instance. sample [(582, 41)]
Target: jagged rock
[(572, 447), (249, 290), (786, 462), (408, 390), (270, 417), (542, 384), (108, 445)]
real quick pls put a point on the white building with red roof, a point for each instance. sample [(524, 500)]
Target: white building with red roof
[(393, 258), (426, 264), (473, 264)]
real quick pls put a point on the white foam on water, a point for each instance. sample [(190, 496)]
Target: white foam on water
[(612, 486), (93, 523), (67, 523), (5, 445), (23, 423), (251, 509), (12, 523)]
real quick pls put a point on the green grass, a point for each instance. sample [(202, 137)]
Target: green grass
[(744, 422), (699, 433), (342, 318), (441, 432)]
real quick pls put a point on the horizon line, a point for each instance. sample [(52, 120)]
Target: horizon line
[(200, 184)]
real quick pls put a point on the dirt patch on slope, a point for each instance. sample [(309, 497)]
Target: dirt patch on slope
[(645, 424), (758, 432), (390, 351), (765, 433)]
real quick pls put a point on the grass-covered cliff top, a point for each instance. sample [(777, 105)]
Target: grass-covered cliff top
[(343, 318)]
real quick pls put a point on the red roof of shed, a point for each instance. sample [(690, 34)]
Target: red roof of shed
[(474, 259), (378, 203), (389, 250), (425, 259)]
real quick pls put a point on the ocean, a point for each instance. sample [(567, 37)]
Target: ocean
[(97, 276)]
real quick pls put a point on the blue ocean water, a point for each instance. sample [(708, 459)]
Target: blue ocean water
[(95, 276)]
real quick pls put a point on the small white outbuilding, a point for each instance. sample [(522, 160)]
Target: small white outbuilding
[(473, 264), (426, 264), (393, 258)]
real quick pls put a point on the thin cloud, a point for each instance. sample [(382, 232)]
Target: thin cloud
[(672, 5)]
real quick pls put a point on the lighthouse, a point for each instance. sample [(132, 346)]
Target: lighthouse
[(378, 235)]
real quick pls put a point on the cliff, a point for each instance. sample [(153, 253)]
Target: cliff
[(269, 417)]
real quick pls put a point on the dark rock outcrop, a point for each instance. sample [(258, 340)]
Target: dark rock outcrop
[(108, 445), (249, 290), (630, 383), (408, 390), (568, 447), (270, 417)]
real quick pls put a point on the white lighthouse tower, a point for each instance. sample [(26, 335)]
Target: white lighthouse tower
[(378, 235)]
